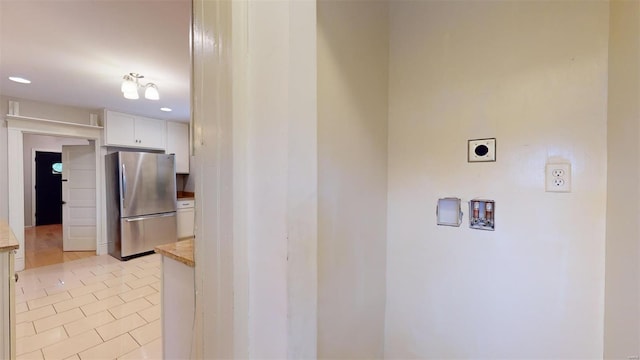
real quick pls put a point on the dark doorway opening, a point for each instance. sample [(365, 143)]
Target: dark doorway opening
[(48, 188)]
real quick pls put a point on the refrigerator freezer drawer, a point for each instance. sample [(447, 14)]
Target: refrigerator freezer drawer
[(143, 233)]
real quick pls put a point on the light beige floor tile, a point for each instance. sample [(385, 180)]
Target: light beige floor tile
[(36, 355), (150, 265), (32, 289), (111, 349), (151, 351), (112, 291), (88, 323), (147, 333), (126, 270), (146, 272), (87, 289), (72, 345), (36, 314), (129, 308), (137, 293), (58, 320), (38, 341), (44, 288), (60, 287), (120, 280), (121, 326), (101, 305), (74, 303), (106, 269), (48, 300), (25, 329), (152, 313), (82, 272), (154, 298), (58, 279), (142, 282), (34, 295), (97, 278), (21, 307)]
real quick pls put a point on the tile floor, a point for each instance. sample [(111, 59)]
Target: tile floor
[(91, 308)]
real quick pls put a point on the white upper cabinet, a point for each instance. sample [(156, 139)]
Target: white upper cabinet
[(178, 144), (133, 131)]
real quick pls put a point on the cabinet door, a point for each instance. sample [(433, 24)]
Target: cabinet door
[(186, 218), (119, 129), (149, 133), (178, 144)]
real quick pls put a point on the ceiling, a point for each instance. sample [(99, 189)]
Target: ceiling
[(76, 52)]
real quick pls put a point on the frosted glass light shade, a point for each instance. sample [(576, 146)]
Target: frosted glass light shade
[(128, 85), (131, 95), (151, 92)]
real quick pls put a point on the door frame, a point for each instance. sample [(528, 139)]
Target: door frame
[(33, 181), (17, 126)]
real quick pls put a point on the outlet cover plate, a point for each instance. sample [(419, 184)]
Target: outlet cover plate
[(558, 177), (482, 150)]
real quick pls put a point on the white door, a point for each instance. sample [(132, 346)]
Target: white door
[(79, 197)]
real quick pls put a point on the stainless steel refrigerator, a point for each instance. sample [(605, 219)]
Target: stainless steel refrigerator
[(141, 202)]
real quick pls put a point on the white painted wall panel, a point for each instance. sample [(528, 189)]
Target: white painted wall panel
[(533, 75)]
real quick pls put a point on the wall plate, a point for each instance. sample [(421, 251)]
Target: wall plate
[(449, 212), (558, 177), (481, 150)]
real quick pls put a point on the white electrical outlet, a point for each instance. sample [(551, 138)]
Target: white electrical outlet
[(558, 177)]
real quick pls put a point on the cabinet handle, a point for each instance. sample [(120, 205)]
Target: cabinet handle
[(16, 276)]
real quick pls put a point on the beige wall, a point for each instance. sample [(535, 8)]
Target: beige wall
[(622, 300), (533, 75), (353, 64)]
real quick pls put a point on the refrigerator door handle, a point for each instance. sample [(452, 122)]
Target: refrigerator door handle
[(140, 218), (124, 186)]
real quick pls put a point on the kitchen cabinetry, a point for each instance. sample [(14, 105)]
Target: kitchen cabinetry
[(178, 299), (178, 144), (8, 245), (132, 131), (186, 218)]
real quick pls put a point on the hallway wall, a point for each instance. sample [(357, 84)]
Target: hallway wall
[(534, 76), (622, 297), (353, 67)]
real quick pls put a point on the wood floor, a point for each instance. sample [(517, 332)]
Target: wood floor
[(43, 246)]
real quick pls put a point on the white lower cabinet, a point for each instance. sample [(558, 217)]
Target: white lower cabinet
[(178, 309), (186, 218), (7, 306)]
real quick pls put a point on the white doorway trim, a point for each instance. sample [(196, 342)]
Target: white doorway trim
[(33, 181), (17, 127)]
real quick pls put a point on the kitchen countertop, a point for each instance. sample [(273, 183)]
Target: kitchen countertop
[(181, 251), (8, 241)]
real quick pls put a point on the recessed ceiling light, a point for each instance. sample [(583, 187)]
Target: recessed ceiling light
[(19, 80), (165, 109)]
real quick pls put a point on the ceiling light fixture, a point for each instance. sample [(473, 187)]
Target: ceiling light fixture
[(19, 80), (165, 109), (131, 84)]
